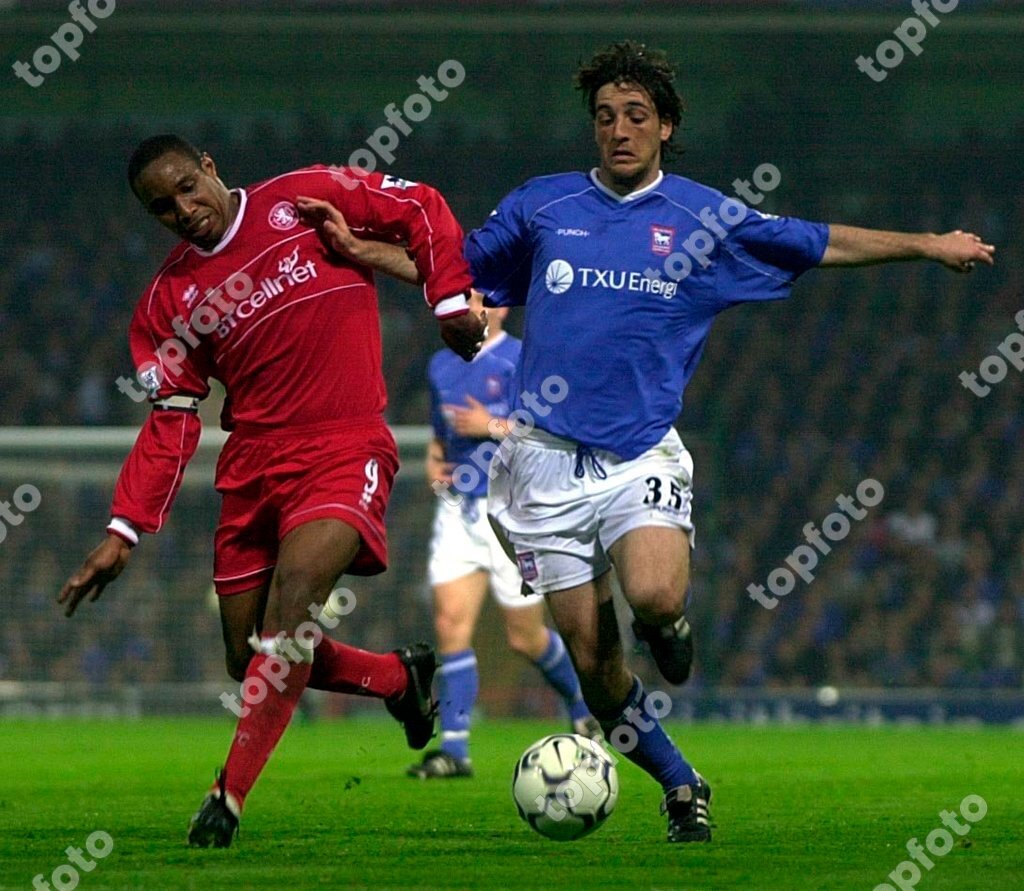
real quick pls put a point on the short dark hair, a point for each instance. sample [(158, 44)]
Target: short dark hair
[(155, 147), (633, 63)]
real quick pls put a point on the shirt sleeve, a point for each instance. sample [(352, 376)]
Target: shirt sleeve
[(393, 209), (513, 291), (152, 473), (166, 366), (763, 255), (500, 253), (169, 359)]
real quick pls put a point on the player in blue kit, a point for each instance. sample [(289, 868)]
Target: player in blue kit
[(469, 404), (622, 271)]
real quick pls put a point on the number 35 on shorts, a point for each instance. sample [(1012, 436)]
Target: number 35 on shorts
[(664, 493)]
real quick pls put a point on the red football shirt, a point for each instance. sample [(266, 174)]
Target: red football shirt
[(291, 329)]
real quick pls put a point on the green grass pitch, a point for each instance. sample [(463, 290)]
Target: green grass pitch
[(801, 808)]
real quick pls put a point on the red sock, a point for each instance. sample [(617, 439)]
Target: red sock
[(343, 669), (262, 725)]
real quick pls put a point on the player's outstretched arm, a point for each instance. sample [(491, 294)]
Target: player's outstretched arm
[(143, 494), (381, 256), (853, 246), (100, 568)]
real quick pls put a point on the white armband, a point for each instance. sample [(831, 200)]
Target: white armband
[(452, 306), (177, 403), (123, 530)]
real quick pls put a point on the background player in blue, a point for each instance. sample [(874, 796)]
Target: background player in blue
[(468, 406), (622, 271)]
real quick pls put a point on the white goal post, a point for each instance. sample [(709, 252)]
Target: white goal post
[(94, 454)]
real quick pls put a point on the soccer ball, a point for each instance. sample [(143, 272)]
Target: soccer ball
[(565, 786)]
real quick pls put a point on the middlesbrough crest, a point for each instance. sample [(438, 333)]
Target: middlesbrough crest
[(283, 216)]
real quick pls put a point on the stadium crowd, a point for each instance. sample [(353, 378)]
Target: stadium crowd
[(856, 377)]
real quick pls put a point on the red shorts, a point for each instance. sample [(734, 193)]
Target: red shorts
[(273, 482)]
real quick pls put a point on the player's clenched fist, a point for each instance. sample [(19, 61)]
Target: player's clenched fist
[(101, 567), (464, 334)]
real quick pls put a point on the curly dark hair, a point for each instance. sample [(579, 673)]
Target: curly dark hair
[(633, 63)]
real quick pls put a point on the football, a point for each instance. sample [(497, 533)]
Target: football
[(565, 786)]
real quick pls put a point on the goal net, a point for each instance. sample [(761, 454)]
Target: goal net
[(152, 643)]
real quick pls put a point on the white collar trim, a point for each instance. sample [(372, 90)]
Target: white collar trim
[(632, 196), (490, 345), (235, 226)]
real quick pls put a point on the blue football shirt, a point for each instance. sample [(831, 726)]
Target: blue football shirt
[(488, 378), (620, 293)]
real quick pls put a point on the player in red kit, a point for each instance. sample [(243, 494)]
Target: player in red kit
[(258, 297)]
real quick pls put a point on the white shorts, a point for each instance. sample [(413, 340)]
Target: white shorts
[(561, 525), (463, 543)]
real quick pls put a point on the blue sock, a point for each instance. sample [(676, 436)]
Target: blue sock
[(457, 691), (556, 666), (635, 732)]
